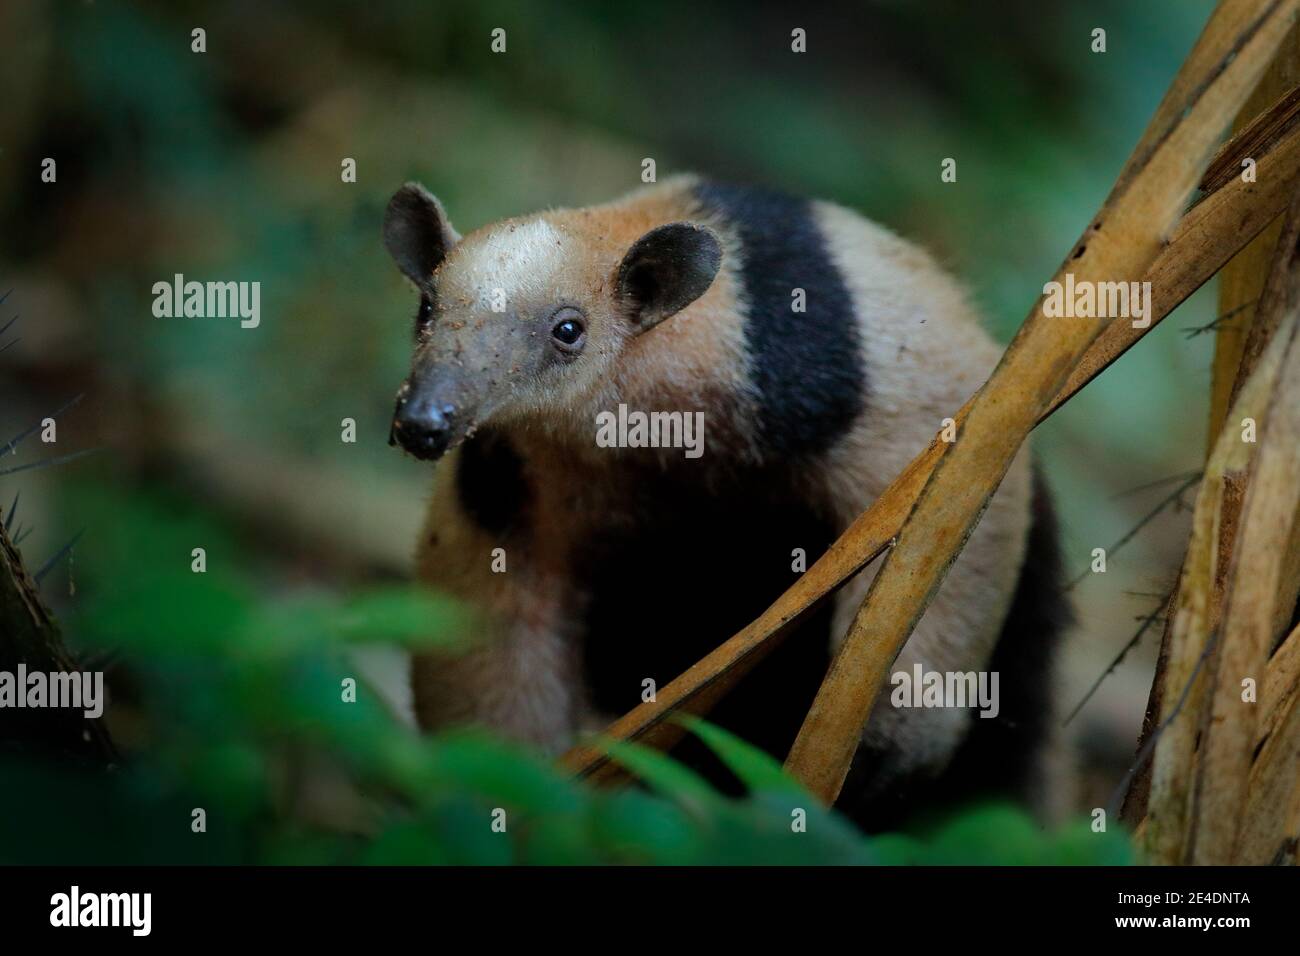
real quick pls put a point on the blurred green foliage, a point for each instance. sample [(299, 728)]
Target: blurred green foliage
[(235, 705)]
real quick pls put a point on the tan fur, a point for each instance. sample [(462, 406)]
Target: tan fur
[(519, 675), (924, 352)]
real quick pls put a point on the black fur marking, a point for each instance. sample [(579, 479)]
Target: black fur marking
[(694, 571), (1002, 756), (491, 485), (807, 367)]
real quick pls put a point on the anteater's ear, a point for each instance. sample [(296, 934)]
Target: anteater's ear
[(666, 270), (417, 233)]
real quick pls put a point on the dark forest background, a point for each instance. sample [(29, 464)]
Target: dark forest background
[(226, 165)]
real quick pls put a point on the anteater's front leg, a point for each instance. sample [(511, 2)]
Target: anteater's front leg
[(519, 676)]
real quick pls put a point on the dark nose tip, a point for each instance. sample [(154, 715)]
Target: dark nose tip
[(421, 427)]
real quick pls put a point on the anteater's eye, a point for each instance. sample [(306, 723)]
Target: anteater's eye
[(569, 332), (425, 315)]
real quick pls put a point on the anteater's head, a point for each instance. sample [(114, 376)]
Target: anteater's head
[(527, 316)]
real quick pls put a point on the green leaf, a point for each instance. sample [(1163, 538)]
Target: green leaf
[(757, 769), (662, 773), (633, 826), (408, 616), (475, 763)]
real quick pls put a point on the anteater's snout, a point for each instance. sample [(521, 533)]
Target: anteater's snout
[(421, 425)]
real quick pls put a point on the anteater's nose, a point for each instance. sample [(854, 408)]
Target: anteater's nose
[(421, 427)]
